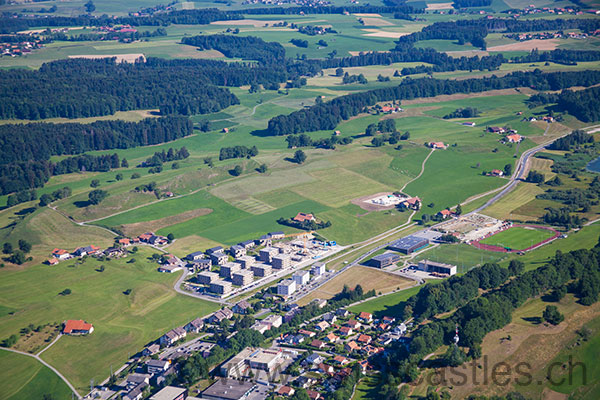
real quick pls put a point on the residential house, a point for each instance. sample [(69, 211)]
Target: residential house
[(243, 307), (388, 320), (413, 203), (313, 359), (322, 326), (286, 391), (137, 393), (354, 324), (314, 395), (317, 343), (273, 321), (364, 339), (77, 327), (514, 138), (134, 380), (319, 302), (302, 217), (365, 317), (52, 261), (342, 312), (496, 129), (331, 338), (351, 346), (194, 326), (325, 368), (156, 240), (172, 336), (114, 252), (220, 315), (444, 214), (157, 366), (497, 172), (346, 331), (124, 242), (151, 350), (306, 333), (330, 317), (340, 360)]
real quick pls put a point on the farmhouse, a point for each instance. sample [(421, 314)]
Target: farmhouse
[(52, 261), (496, 129), (436, 267), (445, 214), (86, 251), (170, 268), (124, 242), (77, 327), (302, 217), (408, 244), (514, 138), (496, 172), (384, 260), (61, 254), (413, 203), (438, 145), (468, 124)]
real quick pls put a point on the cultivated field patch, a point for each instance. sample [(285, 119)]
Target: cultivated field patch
[(153, 226), (368, 278), (384, 34), (376, 22), (528, 45), (247, 22), (251, 205), (439, 6)]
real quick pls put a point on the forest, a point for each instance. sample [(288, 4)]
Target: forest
[(26, 149), (326, 116)]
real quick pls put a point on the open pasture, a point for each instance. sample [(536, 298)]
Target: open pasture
[(125, 322)]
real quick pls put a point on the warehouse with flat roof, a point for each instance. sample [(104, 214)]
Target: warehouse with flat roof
[(409, 244), (384, 260), (436, 267), (228, 389)]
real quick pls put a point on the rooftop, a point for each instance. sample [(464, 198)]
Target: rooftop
[(228, 389)]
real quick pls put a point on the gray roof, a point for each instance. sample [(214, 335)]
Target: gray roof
[(386, 256), (228, 389), (408, 242)]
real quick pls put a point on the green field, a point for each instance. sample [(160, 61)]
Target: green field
[(390, 305), (518, 238), (123, 323), (24, 378)]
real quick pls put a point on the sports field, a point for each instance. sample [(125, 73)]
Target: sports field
[(518, 238)]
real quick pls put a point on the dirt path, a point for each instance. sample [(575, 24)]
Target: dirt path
[(421, 173)]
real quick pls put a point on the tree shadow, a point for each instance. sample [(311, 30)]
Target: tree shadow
[(533, 320), (25, 211), (260, 133), (81, 204)]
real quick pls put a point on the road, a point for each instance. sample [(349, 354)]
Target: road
[(37, 357)]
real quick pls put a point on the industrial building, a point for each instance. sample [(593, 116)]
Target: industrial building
[(243, 277), (286, 287), (261, 270), (384, 260), (317, 269), (206, 277), (281, 261), (220, 287), (301, 277), (229, 269), (266, 254), (436, 267), (409, 244), (227, 389)]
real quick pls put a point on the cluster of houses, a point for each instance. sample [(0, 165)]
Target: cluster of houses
[(15, 49), (304, 3), (59, 255), (522, 37), (511, 134), (532, 9)]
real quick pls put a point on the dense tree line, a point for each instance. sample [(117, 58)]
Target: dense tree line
[(326, 116), (160, 157), (299, 43), (120, 36), (246, 47), (86, 162), (471, 3), (559, 56), (85, 88), (26, 148), (583, 104), (237, 152), (305, 225), (304, 140), (574, 139)]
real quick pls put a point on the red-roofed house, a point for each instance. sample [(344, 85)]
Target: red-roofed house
[(317, 343), (364, 365), (145, 237), (340, 360), (326, 369), (61, 254), (77, 327), (365, 339), (301, 217), (346, 330), (496, 129), (351, 346), (314, 395), (286, 391), (412, 202), (354, 324), (365, 317), (438, 145), (514, 138), (445, 214), (52, 261), (497, 172), (306, 333), (331, 338), (124, 242)]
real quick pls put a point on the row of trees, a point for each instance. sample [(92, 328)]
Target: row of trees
[(326, 116), (304, 140), (237, 152), (160, 157)]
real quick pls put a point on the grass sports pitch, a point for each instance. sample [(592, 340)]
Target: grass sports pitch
[(518, 238)]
